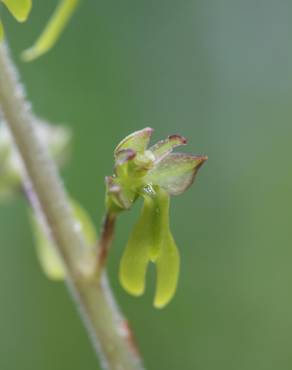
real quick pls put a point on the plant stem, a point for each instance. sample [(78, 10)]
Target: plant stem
[(107, 329), (106, 238)]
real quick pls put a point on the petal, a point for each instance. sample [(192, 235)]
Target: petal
[(167, 268), (176, 172), (164, 147), (137, 141), (135, 259), (20, 9), (53, 30)]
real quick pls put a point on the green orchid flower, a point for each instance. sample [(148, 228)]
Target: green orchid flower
[(153, 174), (20, 9)]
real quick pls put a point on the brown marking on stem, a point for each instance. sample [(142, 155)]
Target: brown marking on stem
[(129, 336), (106, 238)]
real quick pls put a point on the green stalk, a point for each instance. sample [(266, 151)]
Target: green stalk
[(106, 327)]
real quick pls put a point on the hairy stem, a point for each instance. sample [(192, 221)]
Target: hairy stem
[(107, 328)]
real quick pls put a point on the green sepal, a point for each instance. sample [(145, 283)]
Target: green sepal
[(176, 172)]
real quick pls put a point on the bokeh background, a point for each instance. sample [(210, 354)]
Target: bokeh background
[(220, 73)]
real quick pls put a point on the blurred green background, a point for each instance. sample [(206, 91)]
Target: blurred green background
[(220, 73)]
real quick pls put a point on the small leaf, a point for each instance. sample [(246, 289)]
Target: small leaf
[(20, 9), (176, 172), (137, 141), (164, 147), (167, 270), (53, 30)]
